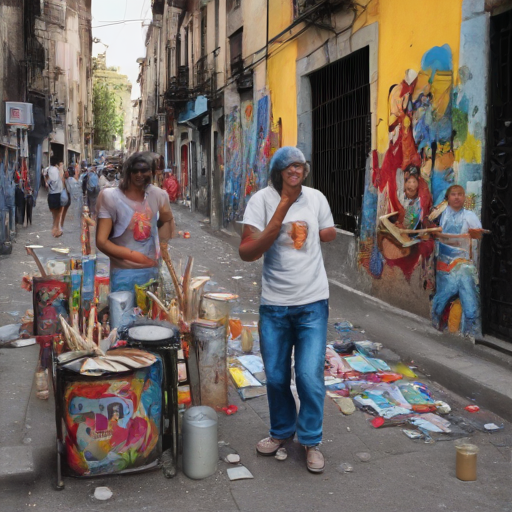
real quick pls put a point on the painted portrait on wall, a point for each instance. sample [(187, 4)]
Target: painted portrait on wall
[(406, 194)]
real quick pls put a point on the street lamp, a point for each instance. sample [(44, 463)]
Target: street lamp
[(97, 40)]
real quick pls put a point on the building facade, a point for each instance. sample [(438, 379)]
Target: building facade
[(62, 29), (372, 92), (45, 86)]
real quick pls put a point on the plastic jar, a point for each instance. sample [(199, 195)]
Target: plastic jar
[(465, 466)]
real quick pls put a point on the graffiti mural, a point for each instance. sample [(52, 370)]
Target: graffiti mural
[(249, 148), (233, 166), (410, 218), (263, 142)]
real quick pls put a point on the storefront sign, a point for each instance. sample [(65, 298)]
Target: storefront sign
[(19, 114)]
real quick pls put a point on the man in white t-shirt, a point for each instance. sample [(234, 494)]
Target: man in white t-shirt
[(285, 222)]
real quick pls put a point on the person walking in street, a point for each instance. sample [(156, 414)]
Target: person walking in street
[(107, 178), (67, 194), (285, 223), (55, 185), (74, 191), (92, 189), (132, 221)]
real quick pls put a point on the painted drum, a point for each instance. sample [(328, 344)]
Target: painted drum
[(112, 424)]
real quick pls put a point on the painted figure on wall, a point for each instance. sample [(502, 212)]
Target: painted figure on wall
[(419, 124), (428, 144), (456, 273), (233, 167)]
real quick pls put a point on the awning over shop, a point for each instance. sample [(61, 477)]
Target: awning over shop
[(194, 109)]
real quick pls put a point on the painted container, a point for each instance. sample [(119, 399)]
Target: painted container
[(200, 448), (112, 423), (51, 299), (120, 305)]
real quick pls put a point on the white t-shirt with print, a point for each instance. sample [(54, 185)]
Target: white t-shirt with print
[(291, 276), (55, 184), (134, 222)]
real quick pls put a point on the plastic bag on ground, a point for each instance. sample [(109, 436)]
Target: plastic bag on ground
[(9, 333)]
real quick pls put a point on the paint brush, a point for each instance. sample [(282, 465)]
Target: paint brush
[(187, 276), (160, 305), (30, 252), (165, 256)]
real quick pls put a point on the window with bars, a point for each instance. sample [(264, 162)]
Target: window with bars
[(342, 134)]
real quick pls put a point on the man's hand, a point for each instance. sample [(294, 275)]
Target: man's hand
[(142, 259), (476, 233), (289, 194)]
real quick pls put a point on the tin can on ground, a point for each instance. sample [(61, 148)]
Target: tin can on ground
[(200, 448), (465, 464)]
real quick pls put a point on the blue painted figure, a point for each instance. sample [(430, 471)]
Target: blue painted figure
[(456, 274)]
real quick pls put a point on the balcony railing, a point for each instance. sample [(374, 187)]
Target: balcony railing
[(237, 65), (201, 69), (178, 89)]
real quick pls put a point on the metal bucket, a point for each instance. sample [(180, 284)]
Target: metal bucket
[(200, 448)]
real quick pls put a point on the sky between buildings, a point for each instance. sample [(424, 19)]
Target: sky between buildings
[(125, 41)]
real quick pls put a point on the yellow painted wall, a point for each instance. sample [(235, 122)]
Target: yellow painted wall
[(281, 72), (407, 29)]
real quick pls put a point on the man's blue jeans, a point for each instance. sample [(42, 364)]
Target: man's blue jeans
[(305, 328)]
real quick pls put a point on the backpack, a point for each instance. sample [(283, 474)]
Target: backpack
[(93, 185)]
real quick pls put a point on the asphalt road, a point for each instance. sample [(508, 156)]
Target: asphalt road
[(401, 473)]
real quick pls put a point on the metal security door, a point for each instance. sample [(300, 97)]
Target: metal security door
[(496, 265), (342, 134)]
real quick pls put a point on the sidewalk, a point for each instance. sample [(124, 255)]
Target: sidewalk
[(401, 473), (17, 366)]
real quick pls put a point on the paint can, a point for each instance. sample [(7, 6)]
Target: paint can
[(120, 305), (200, 448)]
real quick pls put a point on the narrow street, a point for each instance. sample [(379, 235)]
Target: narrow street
[(398, 473), (373, 134)]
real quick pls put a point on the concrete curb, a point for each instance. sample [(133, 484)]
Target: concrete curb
[(16, 465)]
